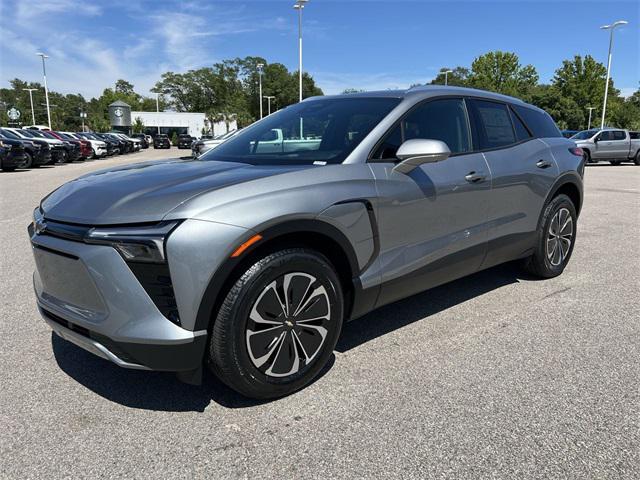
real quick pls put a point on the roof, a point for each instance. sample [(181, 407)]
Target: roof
[(119, 103), (428, 91)]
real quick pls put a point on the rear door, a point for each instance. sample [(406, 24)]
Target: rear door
[(432, 221), (522, 169), (620, 144)]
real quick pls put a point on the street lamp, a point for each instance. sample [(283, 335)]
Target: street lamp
[(33, 115), (591, 109), (46, 90), (269, 98), (446, 76), (299, 5), (260, 69), (606, 85), (83, 115)]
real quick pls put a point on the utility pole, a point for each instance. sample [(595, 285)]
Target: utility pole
[(46, 89), (591, 109), (611, 28), (299, 5), (33, 115), (260, 69)]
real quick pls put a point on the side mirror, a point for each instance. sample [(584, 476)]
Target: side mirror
[(417, 151)]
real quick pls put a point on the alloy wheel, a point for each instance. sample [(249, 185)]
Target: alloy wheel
[(559, 237), (288, 324)]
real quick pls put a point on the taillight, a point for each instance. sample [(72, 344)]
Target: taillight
[(577, 151)]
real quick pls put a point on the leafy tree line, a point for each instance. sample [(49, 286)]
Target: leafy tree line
[(577, 84), (228, 90)]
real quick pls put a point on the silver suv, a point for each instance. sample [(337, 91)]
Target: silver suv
[(250, 258)]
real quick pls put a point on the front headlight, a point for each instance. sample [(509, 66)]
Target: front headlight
[(135, 244)]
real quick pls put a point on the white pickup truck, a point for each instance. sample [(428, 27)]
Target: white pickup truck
[(611, 144), (274, 142)]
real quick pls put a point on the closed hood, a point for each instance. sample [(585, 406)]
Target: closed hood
[(145, 192)]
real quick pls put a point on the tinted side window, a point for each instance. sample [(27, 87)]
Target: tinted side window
[(606, 135), (634, 135), (540, 123), (443, 120), (619, 135), (521, 130), (493, 124)]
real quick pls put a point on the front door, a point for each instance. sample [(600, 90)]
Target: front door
[(432, 221)]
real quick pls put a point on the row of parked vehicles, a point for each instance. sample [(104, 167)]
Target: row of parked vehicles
[(30, 147)]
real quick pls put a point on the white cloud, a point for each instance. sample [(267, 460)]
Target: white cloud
[(335, 82)]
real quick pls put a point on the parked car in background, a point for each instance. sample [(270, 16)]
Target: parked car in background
[(85, 146), (134, 144), (111, 145), (614, 145), (37, 152), (252, 258), (161, 141), (569, 133), (121, 145), (203, 146), (74, 149), (58, 148), (144, 143), (184, 141), (98, 147), (12, 154), (149, 139)]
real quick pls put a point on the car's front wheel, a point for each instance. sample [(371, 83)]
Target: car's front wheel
[(556, 238), (278, 325)]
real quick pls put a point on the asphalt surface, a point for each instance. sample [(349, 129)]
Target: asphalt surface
[(494, 376)]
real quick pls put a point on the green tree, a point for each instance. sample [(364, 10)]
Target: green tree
[(138, 125), (582, 80), (458, 77), (502, 72), (174, 138), (564, 110)]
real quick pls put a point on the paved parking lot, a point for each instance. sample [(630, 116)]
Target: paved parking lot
[(493, 376)]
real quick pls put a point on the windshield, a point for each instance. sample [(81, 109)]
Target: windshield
[(585, 134), (9, 134), (317, 131)]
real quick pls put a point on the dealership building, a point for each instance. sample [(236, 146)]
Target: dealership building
[(194, 124)]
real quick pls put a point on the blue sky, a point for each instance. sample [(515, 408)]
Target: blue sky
[(360, 44)]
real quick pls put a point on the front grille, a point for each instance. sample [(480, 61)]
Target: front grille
[(156, 281)]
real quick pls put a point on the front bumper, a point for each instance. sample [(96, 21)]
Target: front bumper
[(88, 295)]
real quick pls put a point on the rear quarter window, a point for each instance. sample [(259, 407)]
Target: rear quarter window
[(540, 123), (634, 135)]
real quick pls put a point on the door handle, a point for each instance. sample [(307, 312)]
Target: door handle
[(473, 177), (543, 164)]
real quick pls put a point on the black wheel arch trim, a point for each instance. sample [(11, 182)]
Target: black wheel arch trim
[(572, 178), (223, 275)]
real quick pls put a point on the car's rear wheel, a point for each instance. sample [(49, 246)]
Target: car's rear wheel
[(278, 324), (556, 238), (637, 159), (586, 156)]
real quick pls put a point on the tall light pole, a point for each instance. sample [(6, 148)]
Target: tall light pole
[(46, 89), (591, 109), (260, 69), (158, 110), (611, 28), (299, 5), (269, 98), (33, 115), (446, 76)]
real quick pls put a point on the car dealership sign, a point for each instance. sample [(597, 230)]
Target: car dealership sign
[(13, 114)]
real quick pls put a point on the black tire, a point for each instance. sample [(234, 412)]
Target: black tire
[(615, 163), (64, 157), (541, 264), (586, 157), (233, 356), (27, 162), (636, 160)]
